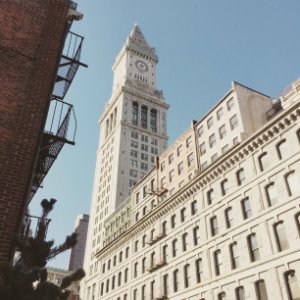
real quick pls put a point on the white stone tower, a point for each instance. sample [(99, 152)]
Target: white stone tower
[(133, 131)]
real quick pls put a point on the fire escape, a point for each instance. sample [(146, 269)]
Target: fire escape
[(60, 128)]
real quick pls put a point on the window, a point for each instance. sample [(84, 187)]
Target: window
[(165, 253), (136, 216), (137, 197), (113, 282), (214, 157), (173, 221), (144, 156), (202, 148), (152, 259), (162, 165), (174, 246), (144, 138), (224, 187), (194, 207), (143, 265), (222, 131), (163, 182), (261, 290), (175, 280), (188, 141), (233, 122), (136, 246), (271, 194), (281, 236), (235, 141), (115, 260), (135, 294), (133, 153), (218, 263), (134, 144), (240, 293), (135, 269), (144, 191), (144, 240), (220, 113), (240, 176), (144, 116), (263, 161), (108, 264), (225, 148), (133, 173), (186, 275), (164, 227), (171, 175), (292, 285), (152, 289), (234, 255), (119, 278), (180, 168), (134, 135), (210, 196), (134, 117), (246, 208), (144, 210), (190, 159), (229, 217), (281, 148), (292, 183), (107, 285), (204, 165), (222, 296), (125, 275), (199, 270), (212, 140), (179, 150), (184, 241), (214, 226), (171, 158), (253, 247), (183, 214), (102, 289), (230, 104), (144, 166), (144, 147), (201, 131), (166, 285), (210, 122), (153, 120), (196, 236)]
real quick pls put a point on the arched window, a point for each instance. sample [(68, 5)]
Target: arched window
[(281, 236), (240, 293), (263, 161), (292, 183), (292, 285), (281, 148), (271, 194), (222, 296), (261, 290)]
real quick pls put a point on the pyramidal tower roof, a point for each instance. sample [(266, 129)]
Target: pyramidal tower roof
[(137, 41)]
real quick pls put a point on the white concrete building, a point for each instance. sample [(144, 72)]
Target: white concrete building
[(217, 218), (133, 131), (77, 252), (228, 231)]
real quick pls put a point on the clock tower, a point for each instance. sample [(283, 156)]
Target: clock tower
[(133, 131)]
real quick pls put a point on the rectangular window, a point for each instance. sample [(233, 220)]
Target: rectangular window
[(171, 158), (246, 208), (134, 144), (214, 157), (174, 247), (188, 141), (179, 150), (233, 122), (187, 276), (196, 236), (171, 175), (183, 214), (281, 236), (234, 255), (173, 221), (166, 285), (143, 292), (199, 270), (134, 135), (220, 113), (212, 140), (240, 176), (135, 109), (210, 122), (230, 104), (201, 131), (202, 148), (144, 116), (225, 149), (176, 280), (133, 153), (180, 168), (218, 262), (163, 182), (135, 269), (210, 196), (165, 253), (162, 165), (261, 290), (194, 207), (253, 247), (184, 241), (153, 120), (222, 131), (229, 217), (190, 159), (214, 226), (224, 187)]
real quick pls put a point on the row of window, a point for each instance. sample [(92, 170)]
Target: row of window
[(144, 116)]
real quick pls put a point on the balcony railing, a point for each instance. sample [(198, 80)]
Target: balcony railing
[(69, 63)]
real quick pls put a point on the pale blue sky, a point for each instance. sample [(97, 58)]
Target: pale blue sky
[(202, 46)]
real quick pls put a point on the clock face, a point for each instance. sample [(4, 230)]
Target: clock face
[(141, 66)]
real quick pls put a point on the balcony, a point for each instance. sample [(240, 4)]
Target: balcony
[(156, 238), (157, 266), (68, 65)]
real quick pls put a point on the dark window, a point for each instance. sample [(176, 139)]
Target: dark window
[(187, 275), (214, 226), (119, 278), (246, 208), (210, 196), (218, 262), (174, 246), (166, 284), (143, 292), (144, 116), (153, 120), (121, 256), (222, 296), (224, 187), (182, 214), (135, 109), (281, 236), (127, 252), (152, 289), (125, 275), (253, 247), (240, 176), (240, 293), (292, 285), (165, 253), (196, 236), (135, 294), (281, 148), (194, 207), (143, 265), (173, 221), (199, 270), (135, 274), (271, 194), (184, 241), (175, 280), (229, 217), (261, 290), (292, 183), (234, 255), (263, 161)]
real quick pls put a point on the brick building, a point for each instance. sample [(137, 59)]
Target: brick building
[(35, 74)]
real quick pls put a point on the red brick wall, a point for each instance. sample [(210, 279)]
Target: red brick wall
[(31, 36)]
